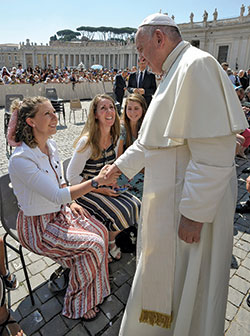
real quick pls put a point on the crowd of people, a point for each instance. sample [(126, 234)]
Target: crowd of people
[(49, 75), (188, 188), (18, 75)]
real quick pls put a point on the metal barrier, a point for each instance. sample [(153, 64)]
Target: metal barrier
[(84, 90)]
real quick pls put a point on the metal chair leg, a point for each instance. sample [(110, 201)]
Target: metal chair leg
[(20, 252), (26, 276)]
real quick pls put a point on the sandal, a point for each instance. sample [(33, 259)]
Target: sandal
[(4, 326), (114, 251), (10, 281)]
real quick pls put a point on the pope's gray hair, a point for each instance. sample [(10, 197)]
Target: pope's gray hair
[(172, 32)]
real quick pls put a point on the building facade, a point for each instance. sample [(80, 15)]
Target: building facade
[(228, 40)]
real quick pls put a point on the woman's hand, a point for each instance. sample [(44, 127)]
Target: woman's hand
[(79, 210), (107, 191), (108, 179)]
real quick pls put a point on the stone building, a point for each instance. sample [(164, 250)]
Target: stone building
[(228, 40)]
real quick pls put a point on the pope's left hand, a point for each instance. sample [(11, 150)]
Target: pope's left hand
[(189, 230)]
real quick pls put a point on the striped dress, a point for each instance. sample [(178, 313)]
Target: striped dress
[(78, 244), (117, 213)]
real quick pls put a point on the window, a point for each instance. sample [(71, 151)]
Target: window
[(222, 54)]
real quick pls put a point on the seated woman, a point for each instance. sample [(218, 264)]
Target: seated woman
[(96, 147), (133, 115), (45, 225)]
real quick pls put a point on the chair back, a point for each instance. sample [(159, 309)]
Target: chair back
[(9, 206), (9, 99), (51, 94), (75, 104)]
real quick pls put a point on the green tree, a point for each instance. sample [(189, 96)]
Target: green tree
[(68, 35)]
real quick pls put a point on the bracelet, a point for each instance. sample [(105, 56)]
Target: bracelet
[(73, 201)]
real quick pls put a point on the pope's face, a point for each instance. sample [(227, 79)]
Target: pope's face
[(148, 51)]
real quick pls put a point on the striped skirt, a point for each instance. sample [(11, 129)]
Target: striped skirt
[(117, 213), (78, 244)]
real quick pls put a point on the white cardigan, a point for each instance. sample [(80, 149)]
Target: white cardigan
[(34, 182), (78, 161)]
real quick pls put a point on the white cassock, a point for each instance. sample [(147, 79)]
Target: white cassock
[(187, 146)]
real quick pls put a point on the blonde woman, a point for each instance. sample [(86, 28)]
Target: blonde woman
[(96, 147)]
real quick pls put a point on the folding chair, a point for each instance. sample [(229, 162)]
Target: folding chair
[(8, 101), (75, 105), (56, 102), (9, 210)]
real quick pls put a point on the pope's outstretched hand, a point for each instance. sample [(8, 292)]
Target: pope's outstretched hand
[(110, 170)]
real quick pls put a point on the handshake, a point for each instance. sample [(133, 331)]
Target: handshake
[(109, 175)]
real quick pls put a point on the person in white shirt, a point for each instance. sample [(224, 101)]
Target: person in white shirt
[(46, 225)]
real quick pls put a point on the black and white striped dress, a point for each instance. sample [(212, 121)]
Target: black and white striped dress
[(117, 213)]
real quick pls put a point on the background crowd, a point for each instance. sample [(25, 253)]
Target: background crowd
[(18, 75)]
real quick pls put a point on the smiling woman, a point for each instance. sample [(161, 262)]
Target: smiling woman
[(96, 147), (48, 222)]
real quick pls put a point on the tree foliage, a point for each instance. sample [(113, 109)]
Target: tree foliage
[(107, 33), (53, 38), (68, 35), (90, 33)]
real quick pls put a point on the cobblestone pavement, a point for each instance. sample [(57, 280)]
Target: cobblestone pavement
[(44, 318)]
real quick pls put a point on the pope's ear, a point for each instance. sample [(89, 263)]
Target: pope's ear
[(159, 37)]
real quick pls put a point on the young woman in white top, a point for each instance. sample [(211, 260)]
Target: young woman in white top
[(96, 147), (46, 226)]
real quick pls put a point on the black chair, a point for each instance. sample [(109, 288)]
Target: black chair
[(56, 102), (9, 210), (8, 101)]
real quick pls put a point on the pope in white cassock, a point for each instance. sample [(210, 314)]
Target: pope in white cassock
[(187, 146)]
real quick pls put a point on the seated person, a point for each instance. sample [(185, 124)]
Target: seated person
[(133, 115), (96, 147), (45, 224), (245, 207)]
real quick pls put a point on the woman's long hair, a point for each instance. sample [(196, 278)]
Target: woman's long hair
[(92, 128), (134, 97)]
